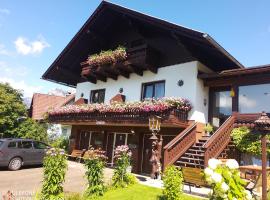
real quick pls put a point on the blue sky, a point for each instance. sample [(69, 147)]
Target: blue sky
[(34, 32)]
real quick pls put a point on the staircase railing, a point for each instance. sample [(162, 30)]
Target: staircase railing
[(219, 140), (179, 145)]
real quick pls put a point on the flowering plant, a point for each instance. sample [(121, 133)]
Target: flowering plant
[(108, 57), (94, 165), (225, 180), (55, 166), (149, 105), (122, 156)]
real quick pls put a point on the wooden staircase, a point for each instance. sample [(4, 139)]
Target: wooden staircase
[(187, 150), (194, 156)]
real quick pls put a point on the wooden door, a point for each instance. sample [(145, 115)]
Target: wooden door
[(147, 151), (120, 139), (84, 139)]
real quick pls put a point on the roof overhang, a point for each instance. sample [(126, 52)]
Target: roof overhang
[(66, 68)]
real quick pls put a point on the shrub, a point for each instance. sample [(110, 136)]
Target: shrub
[(247, 142), (225, 180), (173, 183), (61, 142), (55, 166), (94, 172), (121, 178)]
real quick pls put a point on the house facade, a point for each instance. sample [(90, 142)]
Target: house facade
[(161, 60)]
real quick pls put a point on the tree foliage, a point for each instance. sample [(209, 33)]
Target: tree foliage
[(246, 141), (12, 109)]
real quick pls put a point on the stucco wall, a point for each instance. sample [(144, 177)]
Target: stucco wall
[(192, 89)]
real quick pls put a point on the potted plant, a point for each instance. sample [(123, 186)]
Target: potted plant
[(208, 129)]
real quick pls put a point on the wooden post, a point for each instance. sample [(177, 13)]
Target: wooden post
[(264, 165)]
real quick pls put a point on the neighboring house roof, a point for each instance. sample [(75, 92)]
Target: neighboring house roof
[(97, 31), (42, 102)]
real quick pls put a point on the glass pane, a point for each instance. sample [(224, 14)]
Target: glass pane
[(12, 145), (254, 98), (222, 107), (159, 90), (101, 96), (1, 142), (25, 145), (148, 91), (40, 145)]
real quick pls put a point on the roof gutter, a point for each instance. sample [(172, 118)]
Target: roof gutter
[(222, 50)]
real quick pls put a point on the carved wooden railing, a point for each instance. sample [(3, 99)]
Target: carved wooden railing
[(219, 140), (179, 145), (115, 116)]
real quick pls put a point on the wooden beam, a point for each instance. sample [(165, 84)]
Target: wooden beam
[(100, 77), (152, 69), (104, 71), (123, 73), (91, 79)]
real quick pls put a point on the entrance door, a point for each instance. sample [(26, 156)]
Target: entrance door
[(220, 106), (84, 139), (119, 139)]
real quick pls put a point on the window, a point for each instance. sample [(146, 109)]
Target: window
[(97, 96), (40, 145), (153, 90), (25, 145), (1, 142), (12, 145), (254, 98)]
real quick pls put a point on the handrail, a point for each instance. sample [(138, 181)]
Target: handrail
[(219, 140), (179, 145)]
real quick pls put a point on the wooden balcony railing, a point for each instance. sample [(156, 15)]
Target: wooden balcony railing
[(219, 140), (139, 59), (117, 117), (179, 145)]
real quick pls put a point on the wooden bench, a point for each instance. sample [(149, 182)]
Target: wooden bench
[(193, 177), (76, 154)]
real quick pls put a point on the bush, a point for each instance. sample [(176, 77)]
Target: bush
[(94, 172), (225, 180), (173, 183), (121, 178), (247, 142), (55, 166), (61, 142)]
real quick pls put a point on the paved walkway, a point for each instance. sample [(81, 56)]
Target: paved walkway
[(26, 182)]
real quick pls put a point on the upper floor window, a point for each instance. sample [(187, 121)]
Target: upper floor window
[(153, 90), (97, 96)]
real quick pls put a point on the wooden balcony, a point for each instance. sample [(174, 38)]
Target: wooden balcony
[(138, 60), (170, 118)]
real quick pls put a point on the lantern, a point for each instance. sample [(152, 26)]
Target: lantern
[(232, 92), (154, 123)]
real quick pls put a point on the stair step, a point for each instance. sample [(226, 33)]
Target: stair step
[(192, 159), (199, 144), (194, 150), (187, 164), (194, 155)]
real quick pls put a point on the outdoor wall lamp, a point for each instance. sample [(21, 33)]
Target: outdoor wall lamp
[(180, 83), (154, 125)]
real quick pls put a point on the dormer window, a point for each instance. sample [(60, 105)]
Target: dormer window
[(97, 96), (153, 90)]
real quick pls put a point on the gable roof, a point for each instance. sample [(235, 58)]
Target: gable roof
[(41, 103), (202, 46)]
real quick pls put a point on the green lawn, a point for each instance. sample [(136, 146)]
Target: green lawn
[(135, 192), (138, 192)]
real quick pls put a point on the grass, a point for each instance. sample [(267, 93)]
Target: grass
[(135, 192)]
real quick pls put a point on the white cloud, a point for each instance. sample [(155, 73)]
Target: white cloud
[(14, 71), (27, 90), (4, 11), (246, 102), (26, 47)]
